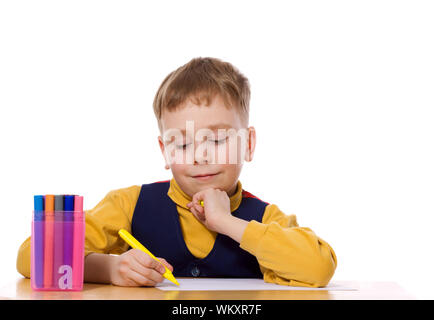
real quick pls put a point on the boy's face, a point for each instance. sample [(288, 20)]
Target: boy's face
[(205, 146)]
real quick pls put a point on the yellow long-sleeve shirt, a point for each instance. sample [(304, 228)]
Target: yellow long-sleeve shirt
[(287, 254)]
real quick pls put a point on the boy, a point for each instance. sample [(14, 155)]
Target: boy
[(233, 233)]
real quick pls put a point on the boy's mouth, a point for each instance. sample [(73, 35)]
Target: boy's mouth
[(205, 176)]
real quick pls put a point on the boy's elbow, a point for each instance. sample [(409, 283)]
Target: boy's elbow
[(23, 259), (311, 271), (324, 269), (324, 273), (25, 272)]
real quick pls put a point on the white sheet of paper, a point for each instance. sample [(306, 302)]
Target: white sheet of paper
[(212, 284)]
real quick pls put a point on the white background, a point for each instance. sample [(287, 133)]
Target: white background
[(342, 101)]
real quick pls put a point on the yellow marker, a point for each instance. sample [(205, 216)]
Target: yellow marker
[(201, 202), (128, 238)]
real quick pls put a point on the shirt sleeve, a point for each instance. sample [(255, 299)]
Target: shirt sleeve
[(103, 222), (112, 213), (288, 254)]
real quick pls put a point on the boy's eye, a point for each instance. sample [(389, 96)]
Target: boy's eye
[(219, 141), (183, 146)]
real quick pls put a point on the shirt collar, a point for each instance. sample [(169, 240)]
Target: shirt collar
[(181, 198)]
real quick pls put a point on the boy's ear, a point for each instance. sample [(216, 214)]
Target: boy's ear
[(160, 142), (251, 144)]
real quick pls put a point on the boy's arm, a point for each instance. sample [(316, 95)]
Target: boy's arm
[(104, 221), (102, 224), (288, 254)]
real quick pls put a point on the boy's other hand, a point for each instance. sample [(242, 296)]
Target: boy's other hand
[(136, 268), (216, 209)]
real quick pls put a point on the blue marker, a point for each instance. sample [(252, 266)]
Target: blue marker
[(38, 241)]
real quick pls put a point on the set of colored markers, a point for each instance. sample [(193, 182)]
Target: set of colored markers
[(57, 243)]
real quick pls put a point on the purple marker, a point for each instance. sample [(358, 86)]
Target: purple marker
[(68, 229), (37, 272), (58, 238)]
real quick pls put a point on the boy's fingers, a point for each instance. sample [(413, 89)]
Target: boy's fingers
[(199, 211), (147, 272), (167, 264), (140, 279), (196, 214), (146, 261), (152, 264), (197, 197), (199, 208)]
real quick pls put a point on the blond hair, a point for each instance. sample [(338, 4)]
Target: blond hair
[(200, 80)]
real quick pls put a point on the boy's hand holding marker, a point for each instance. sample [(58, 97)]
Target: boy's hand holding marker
[(136, 268), (212, 208)]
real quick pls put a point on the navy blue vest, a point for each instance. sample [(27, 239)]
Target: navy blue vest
[(156, 225)]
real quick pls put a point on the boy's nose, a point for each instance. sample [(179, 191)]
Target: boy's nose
[(201, 157)]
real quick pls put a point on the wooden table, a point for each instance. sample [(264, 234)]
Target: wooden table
[(20, 290)]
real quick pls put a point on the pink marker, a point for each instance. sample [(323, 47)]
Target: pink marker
[(78, 244)]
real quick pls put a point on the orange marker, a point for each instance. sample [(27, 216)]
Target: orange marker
[(49, 241)]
